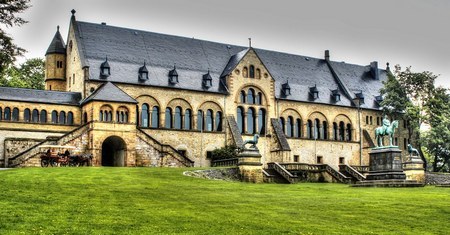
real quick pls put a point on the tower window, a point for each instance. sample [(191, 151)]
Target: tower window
[(59, 64)]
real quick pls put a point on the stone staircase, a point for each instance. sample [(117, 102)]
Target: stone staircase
[(282, 172), (31, 155), (346, 169), (164, 148)]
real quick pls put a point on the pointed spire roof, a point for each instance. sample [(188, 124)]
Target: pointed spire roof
[(57, 46), (110, 93)]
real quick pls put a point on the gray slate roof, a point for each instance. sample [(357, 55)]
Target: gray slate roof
[(110, 93), (127, 49), (57, 45), (39, 96)]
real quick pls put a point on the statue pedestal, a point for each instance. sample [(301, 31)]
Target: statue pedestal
[(250, 166), (386, 164), (413, 168)]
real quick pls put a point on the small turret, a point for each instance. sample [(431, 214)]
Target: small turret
[(55, 64)]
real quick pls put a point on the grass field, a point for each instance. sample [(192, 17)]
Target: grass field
[(163, 201)]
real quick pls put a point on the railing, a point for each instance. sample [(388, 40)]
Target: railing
[(336, 174), (283, 172), (165, 148), (224, 162), (302, 167), (361, 169), (353, 172)]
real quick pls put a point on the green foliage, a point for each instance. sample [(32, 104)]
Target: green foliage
[(30, 74), (106, 200), (227, 152), (395, 100), (8, 50)]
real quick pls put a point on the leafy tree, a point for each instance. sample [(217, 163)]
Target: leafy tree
[(8, 50), (395, 100), (30, 74)]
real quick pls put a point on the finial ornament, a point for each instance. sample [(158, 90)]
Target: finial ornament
[(249, 42), (57, 28), (387, 66), (73, 12)]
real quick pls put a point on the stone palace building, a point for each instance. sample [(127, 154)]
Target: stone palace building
[(137, 98)]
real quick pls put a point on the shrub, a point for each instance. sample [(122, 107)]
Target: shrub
[(227, 152)]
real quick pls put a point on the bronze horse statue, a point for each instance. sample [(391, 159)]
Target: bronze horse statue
[(380, 132)]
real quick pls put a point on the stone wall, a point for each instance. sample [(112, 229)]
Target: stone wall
[(437, 178)]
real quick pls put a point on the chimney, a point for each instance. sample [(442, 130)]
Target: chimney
[(327, 55), (374, 70)]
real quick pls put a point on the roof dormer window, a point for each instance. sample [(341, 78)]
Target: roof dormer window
[(314, 92), (286, 89), (336, 96), (360, 96), (143, 73), (207, 80), (173, 76), (105, 70)]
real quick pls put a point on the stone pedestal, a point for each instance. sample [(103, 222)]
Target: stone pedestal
[(250, 166), (413, 168), (386, 164)]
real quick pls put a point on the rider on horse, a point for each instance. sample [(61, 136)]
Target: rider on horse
[(386, 123)]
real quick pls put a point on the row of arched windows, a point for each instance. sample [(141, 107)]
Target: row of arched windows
[(251, 97), (251, 72), (106, 114), (36, 116), (181, 119), (252, 121), (316, 129)]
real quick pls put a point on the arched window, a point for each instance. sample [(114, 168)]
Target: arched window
[(200, 120), (341, 131), (242, 97), (251, 96), (109, 116), (125, 117), (8, 114), (298, 128), (144, 115), (349, 132), (118, 116), (324, 130), (317, 129), (187, 119), (252, 71), (262, 121), (240, 119), (283, 124), (27, 115), (1, 113), (155, 117), (218, 121), (258, 98), (258, 74), (70, 118), (62, 117), (251, 121), (54, 116), (15, 114), (245, 72), (309, 130), (85, 117), (335, 131), (178, 119), (209, 120), (43, 116), (35, 116), (168, 118), (289, 126), (101, 117)]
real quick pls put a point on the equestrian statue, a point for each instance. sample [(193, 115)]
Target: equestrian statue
[(388, 129), (253, 142)]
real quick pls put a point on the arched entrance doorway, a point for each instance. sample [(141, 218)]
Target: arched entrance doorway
[(113, 151)]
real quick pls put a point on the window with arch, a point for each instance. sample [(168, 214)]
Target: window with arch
[(262, 121), (62, 117), (251, 96), (218, 121), (102, 116), (7, 114), (251, 121), (155, 117), (283, 124), (309, 129), (349, 132), (258, 74), (317, 129), (209, 120), (168, 118), (251, 71), (15, 114), (242, 97), (289, 126), (258, 99), (35, 115), (122, 114), (298, 128), (145, 115), (335, 131), (70, 118), (43, 116), (200, 120), (187, 119), (54, 116), (85, 117), (240, 119), (178, 119), (245, 72), (341, 131), (324, 130), (105, 113), (27, 115)]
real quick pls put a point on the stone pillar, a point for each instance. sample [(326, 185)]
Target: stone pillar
[(413, 168), (250, 166)]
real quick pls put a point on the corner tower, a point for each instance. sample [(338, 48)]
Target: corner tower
[(55, 64)]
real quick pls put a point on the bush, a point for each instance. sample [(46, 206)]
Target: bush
[(227, 152)]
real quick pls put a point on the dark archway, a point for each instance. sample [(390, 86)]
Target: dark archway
[(113, 151)]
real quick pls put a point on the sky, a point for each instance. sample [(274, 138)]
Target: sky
[(406, 32)]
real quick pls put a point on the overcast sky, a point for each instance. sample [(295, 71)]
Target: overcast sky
[(406, 32)]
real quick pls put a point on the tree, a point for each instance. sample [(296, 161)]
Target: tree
[(8, 50), (395, 100), (30, 74)]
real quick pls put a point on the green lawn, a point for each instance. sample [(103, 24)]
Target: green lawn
[(163, 201)]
